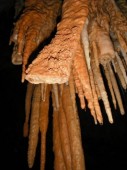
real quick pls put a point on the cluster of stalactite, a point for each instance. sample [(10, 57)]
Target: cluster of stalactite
[(91, 35), (67, 143), (39, 17)]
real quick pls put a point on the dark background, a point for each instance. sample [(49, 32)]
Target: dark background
[(105, 146)]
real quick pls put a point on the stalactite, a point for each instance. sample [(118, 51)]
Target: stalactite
[(89, 35)]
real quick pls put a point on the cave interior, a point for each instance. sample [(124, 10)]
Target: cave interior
[(105, 146)]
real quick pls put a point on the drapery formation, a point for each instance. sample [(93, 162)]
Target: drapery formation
[(91, 38)]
